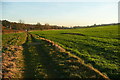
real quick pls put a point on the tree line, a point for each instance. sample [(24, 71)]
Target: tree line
[(95, 25), (22, 26)]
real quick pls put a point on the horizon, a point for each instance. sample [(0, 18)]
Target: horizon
[(61, 25), (61, 13)]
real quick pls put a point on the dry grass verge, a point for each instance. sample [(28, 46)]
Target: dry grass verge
[(12, 65)]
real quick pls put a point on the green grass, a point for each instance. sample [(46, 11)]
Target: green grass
[(99, 46), (13, 39), (46, 61)]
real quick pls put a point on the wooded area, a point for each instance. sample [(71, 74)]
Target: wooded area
[(20, 25)]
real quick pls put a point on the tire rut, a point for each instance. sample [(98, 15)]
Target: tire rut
[(38, 62), (44, 60)]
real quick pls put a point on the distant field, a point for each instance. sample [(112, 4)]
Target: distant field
[(98, 46), (67, 53)]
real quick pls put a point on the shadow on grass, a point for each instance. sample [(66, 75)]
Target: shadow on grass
[(43, 60), (39, 64)]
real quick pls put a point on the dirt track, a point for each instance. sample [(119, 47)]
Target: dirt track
[(43, 59)]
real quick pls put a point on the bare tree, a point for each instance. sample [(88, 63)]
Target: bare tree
[(21, 21), (38, 24), (21, 24)]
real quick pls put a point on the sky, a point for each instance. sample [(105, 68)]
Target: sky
[(61, 13)]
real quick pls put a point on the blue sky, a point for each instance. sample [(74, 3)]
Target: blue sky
[(61, 13)]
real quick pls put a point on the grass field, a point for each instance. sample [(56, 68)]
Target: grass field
[(98, 46), (84, 48)]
